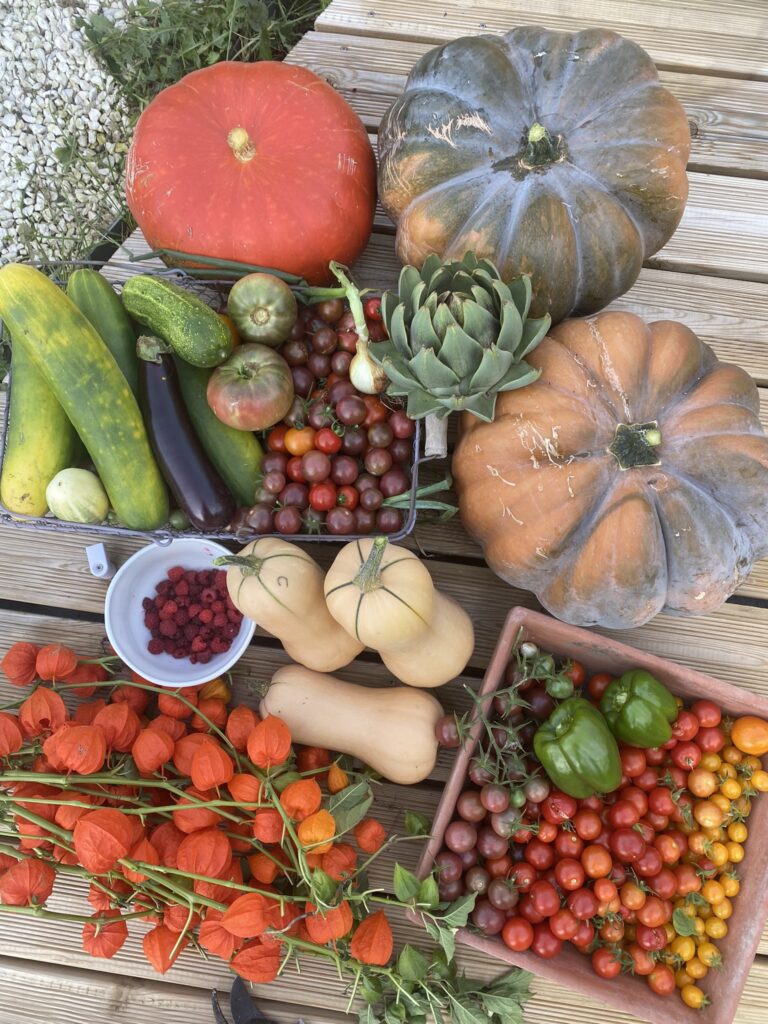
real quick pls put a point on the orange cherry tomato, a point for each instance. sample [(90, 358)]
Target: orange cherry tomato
[(750, 735), (299, 441), (229, 324)]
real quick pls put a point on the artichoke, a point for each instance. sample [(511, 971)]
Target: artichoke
[(458, 335)]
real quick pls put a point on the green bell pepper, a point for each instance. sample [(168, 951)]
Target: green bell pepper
[(639, 709), (577, 750)]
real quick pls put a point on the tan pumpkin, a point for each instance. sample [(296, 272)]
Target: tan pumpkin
[(631, 478)]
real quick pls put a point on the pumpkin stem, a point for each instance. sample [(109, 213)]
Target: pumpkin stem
[(240, 143), (541, 148), (369, 574), (250, 565), (633, 444)]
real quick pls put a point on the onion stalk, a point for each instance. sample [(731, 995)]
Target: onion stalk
[(366, 376)]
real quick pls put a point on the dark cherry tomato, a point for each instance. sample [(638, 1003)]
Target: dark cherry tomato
[(570, 874), (288, 520), (500, 867), (477, 880), (347, 341), (274, 462), (371, 499), (341, 389), (494, 798), (276, 438), (606, 963), (315, 467), (380, 435), (707, 712), (460, 836), (273, 482), (323, 340), (327, 441), (517, 934), (587, 824), (686, 755), (320, 416), (623, 814), (295, 352), (503, 894), (401, 450), (303, 380), (377, 412), (487, 918), (490, 844), (598, 684), (469, 858), (389, 520), (295, 494), (319, 365), (365, 521), (540, 855), (344, 470), (395, 481), (260, 519), (711, 740), (582, 904), (340, 363), (378, 461), (686, 726), (558, 807), (340, 521), (449, 867), (348, 497), (541, 704), (402, 425), (632, 761), (351, 410), (322, 496), (354, 441)]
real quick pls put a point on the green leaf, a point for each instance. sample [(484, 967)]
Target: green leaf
[(406, 884), (480, 324), (350, 806), (412, 964), (511, 328), (520, 287), (682, 923), (460, 352), (428, 894), (417, 824), (443, 936), (510, 1011), (398, 332), (534, 331), (483, 406), (463, 1014), (324, 888), (367, 1016), (457, 913)]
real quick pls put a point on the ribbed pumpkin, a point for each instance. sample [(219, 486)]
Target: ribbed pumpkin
[(263, 163), (554, 154), (631, 478)]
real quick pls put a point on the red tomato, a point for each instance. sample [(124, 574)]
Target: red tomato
[(636, 796), (322, 496), (642, 963), (527, 909), (650, 938), (686, 755), (576, 673), (649, 864), (618, 874), (686, 726), (598, 684), (587, 824), (545, 898), (568, 844), (605, 963), (372, 309), (658, 822), (655, 755), (707, 712), (348, 497), (545, 944), (605, 890), (327, 441), (596, 861), (517, 934), (570, 874), (558, 807), (585, 933), (660, 801), (294, 470), (582, 904), (662, 980), (627, 845), (523, 875), (547, 832), (663, 883), (632, 761), (646, 830), (648, 779), (678, 776), (688, 879), (276, 438), (591, 803), (563, 924), (711, 741), (623, 814), (376, 411)]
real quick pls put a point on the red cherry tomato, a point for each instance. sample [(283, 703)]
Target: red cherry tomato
[(711, 741), (636, 796), (688, 879), (545, 944), (650, 938), (647, 780), (348, 496), (276, 438), (660, 801), (627, 845), (377, 411), (663, 883), (707, 712), (547, 832), (528, 910), (649, 864), (598, 684), (661, 980), (686, 726), (558, 807), (643, 963), (322, 496), (632, 761), (658, 822), (563, 924), (517, 934), (592, 803), (582, 904), (576, 673), (568, 844), (523, 875), (570, 874), (679, 776), (587, 824), (596, 861), (667, 847), (327, 441), (372, 309), (605, 963), (686, 755), (655, 755), (584, 936), (545, 898), (646, 830), (294, 470), (623, 814)]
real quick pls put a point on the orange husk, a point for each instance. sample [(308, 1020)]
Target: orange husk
[(302, 798), (317, 831), (175, 728), (246, 790), (120, 725), (177, 918), (27, 883), (11, 739), (268, 826), (145, 852), (372, 941), (249, 915), (81, 749), (258, 961), (137, 699), (214, 710), (185, 750), (241, 722), (151, 750), (167, 839), (190, 818), (207, 852), (329, 925), (337, 779), (42, 712), (19, 663), (211, 767), (80, 682), (86, 713), (101, 838), (55, 662), (215, 938), (369, 835), (219, 892), (339, 862), (170, 704), (159, 945), (269, 745), (104, 940)]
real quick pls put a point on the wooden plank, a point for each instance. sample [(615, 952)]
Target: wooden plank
[(727, 37), (729, 129)]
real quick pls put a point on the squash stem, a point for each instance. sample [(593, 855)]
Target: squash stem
[(369, 574), (541, 148), (250, 565), (239, 142)]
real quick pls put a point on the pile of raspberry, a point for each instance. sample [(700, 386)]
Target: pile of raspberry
[(192, 615)]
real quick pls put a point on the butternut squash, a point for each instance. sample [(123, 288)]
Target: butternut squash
[(392, 729), (384, 597), (280, 587)]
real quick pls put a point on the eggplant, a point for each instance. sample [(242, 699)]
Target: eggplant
[(197, 487)]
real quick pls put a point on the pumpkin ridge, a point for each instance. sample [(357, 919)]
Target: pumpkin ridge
[(445, 185), (514, 215), (578, 262), (488, 200), (606, 190), (616, 415)]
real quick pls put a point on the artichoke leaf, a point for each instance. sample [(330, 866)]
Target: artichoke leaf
[(495, 364), (485, 298), (381, 350), (399, 374), (389, 303), (511, 331), (462, 282), (522, 293), (421, 404), (534, 331), (422, 332), (480, 324), (460, 352), (398, 332), (442, 319), (518, 376), (408, 281), (430, 372), (429, 266), (483, 406)]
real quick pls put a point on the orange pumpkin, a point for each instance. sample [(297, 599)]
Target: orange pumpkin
[(631, 478)]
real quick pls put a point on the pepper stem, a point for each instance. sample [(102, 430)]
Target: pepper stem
[(239, 141), (368, 577)]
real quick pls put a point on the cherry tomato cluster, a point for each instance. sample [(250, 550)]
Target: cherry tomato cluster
[(641, 879), (338, 455)]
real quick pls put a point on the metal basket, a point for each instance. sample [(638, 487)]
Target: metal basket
[(214, 291)]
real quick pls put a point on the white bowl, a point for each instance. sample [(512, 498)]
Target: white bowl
[(124, 614)]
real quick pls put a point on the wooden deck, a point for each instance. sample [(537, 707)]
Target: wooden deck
[(713, 54)]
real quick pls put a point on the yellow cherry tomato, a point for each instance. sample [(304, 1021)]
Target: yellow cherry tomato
[(750, 734), (731, 789), (708, 814), (723, 909), (730, 884), (735, 852), (696, 968), (702, 783), (693, 996), (718, 854), (742, 807), (299, 440), (682, 978), (697, 843), (710, 762), (670, 932), (715, 928), (714, 835), (732, 755), (712, 891), (699, 924), (759, 780), (709, 954), (720, 801), (727, 771), (752, 762), (683, 947)]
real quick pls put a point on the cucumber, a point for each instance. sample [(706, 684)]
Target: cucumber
[(236, 454), (94, 296), (40, 440), (186, 323), (83, 375)]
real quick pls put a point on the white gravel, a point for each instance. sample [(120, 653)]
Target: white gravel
[(54, 94)]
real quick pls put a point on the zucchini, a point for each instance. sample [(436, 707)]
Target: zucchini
[(186, 323), (40, 440), (84, 377), (236, 454), (94, 296)]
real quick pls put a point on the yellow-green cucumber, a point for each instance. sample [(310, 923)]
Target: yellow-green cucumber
[(236, 454), (83, 375), (181, 319), (40, 440), (94, 296)]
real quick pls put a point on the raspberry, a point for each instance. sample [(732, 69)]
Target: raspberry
[(155, 646), (169, 646), (182, 588), (220, 580), (160, 600), (194, 610), (234, 615), (179, 653), (231, 630), (219, 620), (168, 628), (198, 645), (182, 617), (194, 589), (205, 615), (205, 632), (147, 603), (169, 610), (219, 645), (176, 573), (182, 602), (163, 586), (218, 606), (204, 577), (193, 658), (152, 620), (191, 631), (204, 657), (208, 595)]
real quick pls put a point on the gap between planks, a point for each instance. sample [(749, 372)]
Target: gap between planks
[(728, 38)]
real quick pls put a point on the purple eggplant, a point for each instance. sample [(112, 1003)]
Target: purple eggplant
[(197, 487)]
